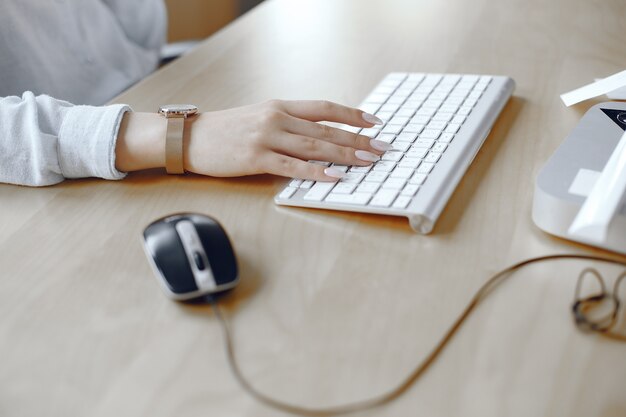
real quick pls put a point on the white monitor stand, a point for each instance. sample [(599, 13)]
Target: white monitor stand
[(579, 193)]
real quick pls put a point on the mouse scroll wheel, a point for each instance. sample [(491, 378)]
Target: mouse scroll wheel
[(197, 258)]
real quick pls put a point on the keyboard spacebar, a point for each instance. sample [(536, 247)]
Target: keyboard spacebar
[(319, 191)]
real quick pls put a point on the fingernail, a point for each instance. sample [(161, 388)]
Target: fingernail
[(334, 172), (366, 156), (370, 118), (379, 145)]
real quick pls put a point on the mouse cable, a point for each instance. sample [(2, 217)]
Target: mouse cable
[(394, 393)]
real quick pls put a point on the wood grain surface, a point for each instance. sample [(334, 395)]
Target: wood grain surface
[(333, 307)]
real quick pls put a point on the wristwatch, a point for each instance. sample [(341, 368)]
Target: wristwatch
[(175, 115)]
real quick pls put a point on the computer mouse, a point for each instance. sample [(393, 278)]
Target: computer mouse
[(191, 255)]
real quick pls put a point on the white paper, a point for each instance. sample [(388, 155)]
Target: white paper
[(598, 88), (619, 94), (595, 216)]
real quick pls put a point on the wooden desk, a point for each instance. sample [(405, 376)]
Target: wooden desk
[(333, 307)]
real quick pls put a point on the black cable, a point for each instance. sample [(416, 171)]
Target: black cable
[(394, 393)]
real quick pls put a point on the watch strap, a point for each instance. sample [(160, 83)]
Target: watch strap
[(174, 145)]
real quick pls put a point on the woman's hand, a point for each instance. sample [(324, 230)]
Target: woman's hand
[(276, 137)]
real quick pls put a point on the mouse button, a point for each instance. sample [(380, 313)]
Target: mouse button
[(219, 251), (197, 259), (170, 259)]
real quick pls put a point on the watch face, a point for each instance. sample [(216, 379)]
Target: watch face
[(184, 109)]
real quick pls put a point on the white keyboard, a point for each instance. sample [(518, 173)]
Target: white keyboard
[(436, 123)]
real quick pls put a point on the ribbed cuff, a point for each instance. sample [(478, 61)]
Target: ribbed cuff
[(87, 141)]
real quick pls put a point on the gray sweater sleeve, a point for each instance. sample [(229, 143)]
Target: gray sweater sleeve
[(44, 140)]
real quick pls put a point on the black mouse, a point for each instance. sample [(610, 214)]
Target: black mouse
[(191, 255)]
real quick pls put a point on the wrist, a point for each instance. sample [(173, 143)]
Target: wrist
[(140, 142)]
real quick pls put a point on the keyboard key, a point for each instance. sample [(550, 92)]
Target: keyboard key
[(390, 107), (408, 162), (368, 187), (410, 190), (385, 137), (460, 92), (392, 156), (416, 152), (362, 170), (395, 100), (401, 202), (417, 179), (416, 77), (430, 134), (422, 120), (449, 108), (400, 146), (370, 107), (470, 102), (392, 129), (307, 184), (376, 176), (452, 128), (436, 125), (399, 120), (443, 117), (458, 119), (432, 103), (384, 197), (402, 92), (432, 157), (446, 137), (439, 147), (356, 198), (405, 112), (342, 168), (295, 183), (424, 143), (287, 192), (432, 79), (344, 188), (425, 168), (406, 137), (319, 191), (394, 183), (413, 128), (384, 166), (384, 116), (352, 177), (426, 112), (464, 110), (400, 172), (438, 95)]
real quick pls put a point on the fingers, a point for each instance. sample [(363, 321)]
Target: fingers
[(317, 111), (337, 136), (308, 148), (288, 166)]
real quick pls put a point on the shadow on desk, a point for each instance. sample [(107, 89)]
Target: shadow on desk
[(483, 161)]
